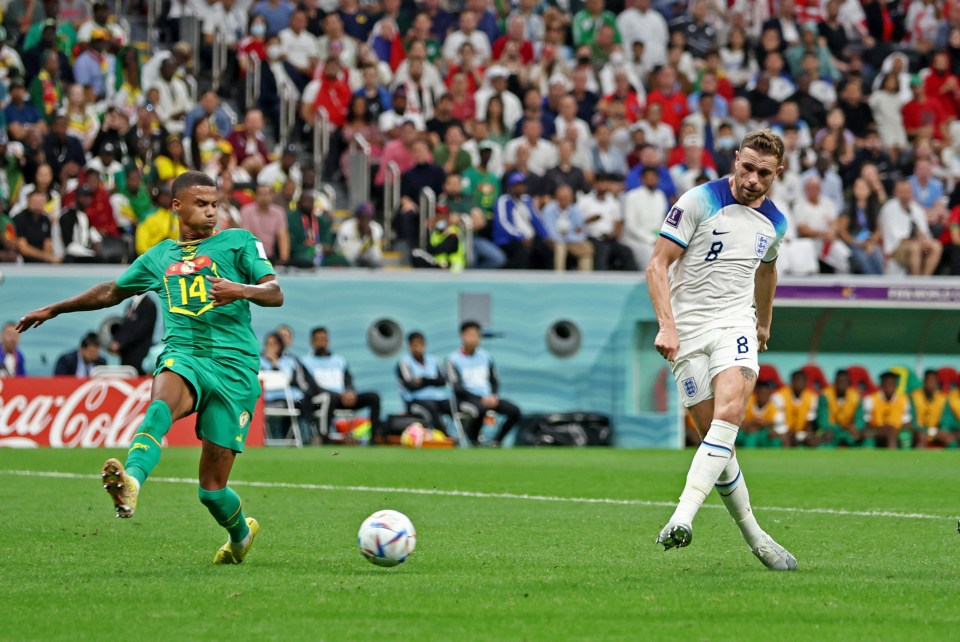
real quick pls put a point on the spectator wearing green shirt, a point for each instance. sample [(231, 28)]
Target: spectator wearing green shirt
[(311, 235), (450, 154), (483, 187), (587, 23)]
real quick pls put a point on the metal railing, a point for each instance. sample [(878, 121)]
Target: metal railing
[(321, 138), (428, 208), (466, 222), (252, 87), (289, 101), (191, 31), (329, 191), (154, 11), (220, 53), (358, 161), (391, 201)]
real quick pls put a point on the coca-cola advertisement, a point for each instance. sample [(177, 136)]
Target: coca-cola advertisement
[(102, 412)]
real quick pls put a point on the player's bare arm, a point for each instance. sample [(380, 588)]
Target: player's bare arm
[(102, 295), (665, 252), (765, 285), (265, 293)]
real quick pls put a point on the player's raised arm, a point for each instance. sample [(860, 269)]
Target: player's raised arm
[(102, 295), (266, 292), (665, 252), (765, 285)]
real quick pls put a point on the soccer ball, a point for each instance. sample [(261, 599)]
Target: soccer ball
[(387, 538)]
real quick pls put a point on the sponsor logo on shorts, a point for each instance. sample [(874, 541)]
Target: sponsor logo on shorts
[(673, 218), (689, 387), (244, 418), (168, 362), (763, 242)]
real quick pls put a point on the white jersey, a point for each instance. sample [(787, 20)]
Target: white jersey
[(712, 283)]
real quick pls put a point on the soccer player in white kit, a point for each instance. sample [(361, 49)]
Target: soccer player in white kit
[(714, 313)]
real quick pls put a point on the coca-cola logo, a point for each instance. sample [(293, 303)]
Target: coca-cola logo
[(100, 412)]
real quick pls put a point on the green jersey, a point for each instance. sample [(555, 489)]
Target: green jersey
[(178, 271)]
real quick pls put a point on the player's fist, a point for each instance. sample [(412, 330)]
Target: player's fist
[(34, 319), (667, 343), (222, 291), (763, 335)]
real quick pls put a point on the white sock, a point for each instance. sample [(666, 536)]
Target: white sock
[(732, 488), (708, 463), (239, 546)]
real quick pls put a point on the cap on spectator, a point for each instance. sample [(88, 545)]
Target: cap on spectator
[(290, 150), (693, 141), (916, 80), (498, 71), (49, 22), (400, 91), (515, 178), (17, 81), (443, 208), (109, 148), (559, 79), (364, 210), (84, 190)]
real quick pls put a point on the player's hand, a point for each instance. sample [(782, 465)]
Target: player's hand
[(763, 335), (34, 319), (348, 398), (667, 343), (490, 401), (222, 291)]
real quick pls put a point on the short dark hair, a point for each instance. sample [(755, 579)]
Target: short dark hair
[(413, 336), (318, 330), (842, 373), (931, 373), (467, 325), (764, 141), (191, 179), (90, 339)]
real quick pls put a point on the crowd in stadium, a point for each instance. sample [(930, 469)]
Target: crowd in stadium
[(554, 134)]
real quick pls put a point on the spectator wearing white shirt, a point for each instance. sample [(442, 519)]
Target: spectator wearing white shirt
[(640, 23), (688, 172), (816, 219), (360, 239), (602, 213), (542, 153), (497, 76), (389, 121), (575, 130), (299, 50), (643, 212), (832, 184), (335, 42), (467, 33), (655, 131), (565, 227), (905, 233), (174, 98)]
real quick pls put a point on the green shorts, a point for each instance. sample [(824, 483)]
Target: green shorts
[(226, 392)]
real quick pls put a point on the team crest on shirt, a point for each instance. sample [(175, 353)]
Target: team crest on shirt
[(673, 218), (689, 387), (763, 242), (187, 267), (244, 418)]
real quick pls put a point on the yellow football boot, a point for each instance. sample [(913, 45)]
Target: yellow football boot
[(229, 555), (121, 487)]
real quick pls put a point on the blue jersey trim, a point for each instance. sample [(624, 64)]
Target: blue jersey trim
[(675, 240), (773, 260), (720, 189)]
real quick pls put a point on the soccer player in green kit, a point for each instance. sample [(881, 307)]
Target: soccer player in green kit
[(209, 366)]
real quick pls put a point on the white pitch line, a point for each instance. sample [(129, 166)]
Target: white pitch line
[(481, 495)]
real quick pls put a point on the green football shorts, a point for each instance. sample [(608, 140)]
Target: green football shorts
[(226, 392)]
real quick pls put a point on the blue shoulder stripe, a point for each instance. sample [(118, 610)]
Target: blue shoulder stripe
[(674, 239)]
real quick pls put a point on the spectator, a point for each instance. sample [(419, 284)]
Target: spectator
[(471, 372), (887, 414), (94, 65), (81, 241), (640, 23), (688, 171), (34, 239), (816, 218), (516, 33), (35, 57), (830, 182), (12, 363), (565, 172), (60, 148), (105, 164), (360, 239), (604, 218), (543, 153), (442, 120), (299, 50), (336, 43), (268, 222), (424, 174), (859, 116), (905, 233), (159, 226), (606, 159), (450, 155), (80, 363), (173, 101), (171, 162), (800, 411), (133, 334), (22, 117), (518, 229), (928, 191), (441, 20), (930, 404), (887, 107), (398, 150), (83, 121), (445, 248), (302, 387), (277, 173), (467, 33), (249, 143), (332, 375), (496, 87), (276, 13), (209, 107), (858, 228), (46, 88), (764, 423), (566, 229), (925, 115), (587, 23), (391, 121), (8, 240), (838, 413), (644, 209)]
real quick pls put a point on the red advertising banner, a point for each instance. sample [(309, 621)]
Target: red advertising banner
[(102, 412)]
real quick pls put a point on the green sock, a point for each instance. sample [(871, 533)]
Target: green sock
[(144, 452), (224, 505)]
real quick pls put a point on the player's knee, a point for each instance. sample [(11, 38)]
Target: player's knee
[(732, 411)]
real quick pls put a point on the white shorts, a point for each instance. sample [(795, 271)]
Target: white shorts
[(703, 357)]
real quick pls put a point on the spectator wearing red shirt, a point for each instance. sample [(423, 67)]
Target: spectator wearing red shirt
[(470, 66), (334, 94), (941, 84), (99, 212), (248, 144), (464, 105), (951, 240), (624, 91), (516, 25), (673, 102), (254, 45), (924, 116)]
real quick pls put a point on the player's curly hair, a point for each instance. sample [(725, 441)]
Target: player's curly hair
[(764, 141)]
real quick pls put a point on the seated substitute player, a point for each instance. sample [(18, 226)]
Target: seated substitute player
[(422, 386), (206, 281), (930, 408), (714, 310), (471, 372), (800, 408), (838, 413), (764, 423), (887, 415)]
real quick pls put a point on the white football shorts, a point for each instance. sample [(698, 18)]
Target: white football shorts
[(703, 357)]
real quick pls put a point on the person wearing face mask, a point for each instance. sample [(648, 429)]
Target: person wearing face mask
[(724, 149), (445, 249)]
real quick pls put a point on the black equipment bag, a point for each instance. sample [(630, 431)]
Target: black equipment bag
[(565, 429)]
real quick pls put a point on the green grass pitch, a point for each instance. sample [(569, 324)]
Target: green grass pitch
[(883, 565)]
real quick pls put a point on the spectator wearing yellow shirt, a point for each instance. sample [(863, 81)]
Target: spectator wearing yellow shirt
[(838, 414), (764, 423), (887, 414), (161, 225), (951, 417), (800, 409), (930, 408), (172, 161)]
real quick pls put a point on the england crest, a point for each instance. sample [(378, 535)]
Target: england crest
[(689, 387), (763, 242)]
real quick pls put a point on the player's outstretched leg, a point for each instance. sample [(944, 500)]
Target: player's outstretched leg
[(732, 488), (225, 506), (711, 458)]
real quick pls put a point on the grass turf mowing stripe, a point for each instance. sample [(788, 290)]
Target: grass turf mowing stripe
[(481, 495)]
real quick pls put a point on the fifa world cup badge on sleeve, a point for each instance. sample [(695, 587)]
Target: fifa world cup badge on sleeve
[(673, 218), (763, 242), (690, 387)]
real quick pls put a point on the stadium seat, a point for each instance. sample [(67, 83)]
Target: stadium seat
[(949, 377), (276, 381), (860, 379), (816, 380), (770, 373)]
